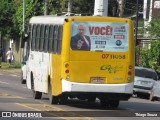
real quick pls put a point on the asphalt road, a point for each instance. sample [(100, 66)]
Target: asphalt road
[(15, 97)]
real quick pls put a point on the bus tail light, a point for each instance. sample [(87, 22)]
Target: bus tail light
[(129, 73), (67, 71), (66, 65)]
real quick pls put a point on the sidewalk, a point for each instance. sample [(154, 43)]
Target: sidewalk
[(15, 71)]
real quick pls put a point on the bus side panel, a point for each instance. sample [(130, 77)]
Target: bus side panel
[(58, 60), (56, 75), (131, 54)]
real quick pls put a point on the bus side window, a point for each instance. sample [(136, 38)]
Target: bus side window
[(60, 31), (38, 37), (46, 37), (33, 42), (55, 39), (42, 37), (50, 42)]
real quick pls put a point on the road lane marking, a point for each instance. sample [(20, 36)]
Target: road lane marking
[(26, 106), (23, 105), (4, 82), (1, 96), (13, 75), (10, 73), (58, 112), (48, 108), (6, 95)]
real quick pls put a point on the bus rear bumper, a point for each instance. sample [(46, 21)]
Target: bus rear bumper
[(68, 86)]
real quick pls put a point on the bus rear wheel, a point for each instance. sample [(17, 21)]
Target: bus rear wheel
[(91, 99), (113, 103), (36, 94), (23, 81), (63, 99), (104, 103)]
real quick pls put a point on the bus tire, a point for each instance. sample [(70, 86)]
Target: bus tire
[(63, 99), (113, 103), (91, 99), (104, 103), (36, 94), (52, 99), (23, 81)]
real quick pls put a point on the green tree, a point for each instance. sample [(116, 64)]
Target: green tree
[(154, 56), (154, 28), (144, 57), (151, 58), (11, 16), (33, 8), (8, 10)]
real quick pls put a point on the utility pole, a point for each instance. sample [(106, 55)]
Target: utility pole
[(101, 8), (136, 29), (136, 32), (121, 7), (0, 40), (24, 9), (69, 6), (23, 29), (46, 7), (69, 11)]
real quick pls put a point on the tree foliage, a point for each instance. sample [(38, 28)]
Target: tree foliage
[(32, 8), (7, 9), (151, 57), (11, 16), (154, 28), (154, 56)]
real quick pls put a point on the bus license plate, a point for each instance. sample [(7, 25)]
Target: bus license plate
[(97, 80)]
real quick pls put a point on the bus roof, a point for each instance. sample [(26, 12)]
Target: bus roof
[(48, 19), (60, 19)]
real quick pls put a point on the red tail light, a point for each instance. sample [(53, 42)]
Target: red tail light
[(129, 73), (67, 71)]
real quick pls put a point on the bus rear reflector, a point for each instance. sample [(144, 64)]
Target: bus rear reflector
[(130, 67), (66, 65)]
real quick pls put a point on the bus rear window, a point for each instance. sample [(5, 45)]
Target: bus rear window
[(99, 36)]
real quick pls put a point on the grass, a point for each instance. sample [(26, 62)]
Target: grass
[(5, 65)]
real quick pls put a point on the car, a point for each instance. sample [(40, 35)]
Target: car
[(155, 93), (145, 78)]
